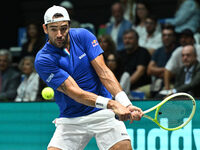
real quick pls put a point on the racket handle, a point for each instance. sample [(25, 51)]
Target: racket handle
[(117, 117)]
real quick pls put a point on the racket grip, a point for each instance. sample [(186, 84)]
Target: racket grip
[(117, 117)]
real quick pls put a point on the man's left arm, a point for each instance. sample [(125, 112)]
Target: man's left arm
[(109, 80), (106, 75)]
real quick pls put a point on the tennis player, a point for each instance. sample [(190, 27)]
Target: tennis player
[(71, 62)]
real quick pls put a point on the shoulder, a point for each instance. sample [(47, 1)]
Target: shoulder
[(11, 72), (79, 31), (177, 51), (126, 23), (198, 66), (46, 57), (80, 34), (143, 50)]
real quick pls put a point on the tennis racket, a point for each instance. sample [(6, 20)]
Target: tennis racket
[(174, 112)]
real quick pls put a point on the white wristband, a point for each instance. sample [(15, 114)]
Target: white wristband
[(101, 102), (122, 98)]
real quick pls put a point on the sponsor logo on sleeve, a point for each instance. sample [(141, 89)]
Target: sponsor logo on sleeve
[(50, 77), (94, 43)]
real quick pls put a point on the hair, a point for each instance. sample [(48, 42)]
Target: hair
[(57, 15), (38, 28), (5, 52), (168, 27), (108, 38), (132, 31), (117, 3), (152, 17), (188, 33), (31, 58), (119, 70)]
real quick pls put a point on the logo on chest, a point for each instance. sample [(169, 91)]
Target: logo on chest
[(83, 55)]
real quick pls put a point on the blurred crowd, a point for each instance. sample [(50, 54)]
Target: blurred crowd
[(151, 57)]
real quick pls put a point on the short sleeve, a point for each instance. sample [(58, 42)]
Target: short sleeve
[(90, 44), (175, 61), (50, 72)]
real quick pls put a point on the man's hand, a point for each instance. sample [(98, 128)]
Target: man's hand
[(121, 111), (136, 113)]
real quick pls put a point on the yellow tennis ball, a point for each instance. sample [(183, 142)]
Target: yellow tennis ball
[(47, 93)]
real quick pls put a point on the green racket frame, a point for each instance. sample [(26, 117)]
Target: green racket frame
[(157, 107)]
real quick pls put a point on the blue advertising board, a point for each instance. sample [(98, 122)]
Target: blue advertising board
[(28, 126)]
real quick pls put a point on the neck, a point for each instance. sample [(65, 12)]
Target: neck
[(169, 48), (67, 45), (132, 49)]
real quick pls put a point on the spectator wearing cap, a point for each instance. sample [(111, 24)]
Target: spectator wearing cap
[(9, 77), (70, 8), (175, 61)]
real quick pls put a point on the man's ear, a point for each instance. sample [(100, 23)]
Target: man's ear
[(45, 28)]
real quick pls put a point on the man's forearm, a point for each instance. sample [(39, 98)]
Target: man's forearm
[(109, 80), (167, 77)]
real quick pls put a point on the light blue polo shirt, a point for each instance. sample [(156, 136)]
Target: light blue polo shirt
[(55, 65)]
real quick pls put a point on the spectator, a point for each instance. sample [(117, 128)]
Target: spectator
[(70, 9), (187, 16), (135, 59), (175, 62), (129, 7), (151, 39), (159, 59), (117, 28), (142, 11), (107, 44), (114, 63), (35, 40), (9, 77), (188, 76), (28, 89)]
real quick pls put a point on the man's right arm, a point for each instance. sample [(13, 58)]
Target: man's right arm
[(70, 88)]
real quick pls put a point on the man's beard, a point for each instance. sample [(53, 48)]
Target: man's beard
[(129, 47)]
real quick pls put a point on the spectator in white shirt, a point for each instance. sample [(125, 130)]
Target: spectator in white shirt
[(152, 38), (28, 89), (175, 61)]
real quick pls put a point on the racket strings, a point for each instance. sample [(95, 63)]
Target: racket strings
[(172, 113)]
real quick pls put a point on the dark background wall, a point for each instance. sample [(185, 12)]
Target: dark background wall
[(16, 13)]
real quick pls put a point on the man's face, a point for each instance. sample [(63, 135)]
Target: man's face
[(27, 67), (57, 33), (117, 12), (150, 25), (188, 56), (130, 41), (185, 40), (168, 37), (32, 30), (3, 63)]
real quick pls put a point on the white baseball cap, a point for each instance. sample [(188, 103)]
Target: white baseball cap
[(48, 16)]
